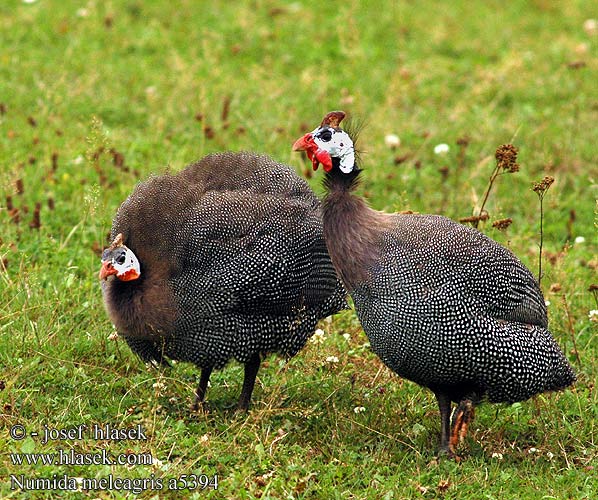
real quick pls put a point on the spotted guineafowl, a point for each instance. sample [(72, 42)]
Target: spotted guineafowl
[(224, 260), (442, 304)]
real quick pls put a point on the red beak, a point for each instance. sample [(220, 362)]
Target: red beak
[(314, 153), (106, 270)]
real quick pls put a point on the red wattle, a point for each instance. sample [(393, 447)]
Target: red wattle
[(324, 158)]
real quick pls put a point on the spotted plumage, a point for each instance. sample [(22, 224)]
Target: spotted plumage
[(232, 265), (442, 304)]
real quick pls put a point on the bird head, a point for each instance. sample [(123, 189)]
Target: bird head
[(120, 261), (329, 145)]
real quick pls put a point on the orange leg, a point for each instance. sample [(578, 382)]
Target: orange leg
[(463, 416)]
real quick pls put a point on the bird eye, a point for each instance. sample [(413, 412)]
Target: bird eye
[(120, 260), (325, 135)]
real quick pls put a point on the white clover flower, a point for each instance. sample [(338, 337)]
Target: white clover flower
[(533, 450), (590, 26), (159, 385), (359, 409), (78, 160), (593, 315), (550, 455), (580, 239), (318, 337), (547, 303), (332, 359), (441, 149), (497, 455), (392, 141), (347, 336)]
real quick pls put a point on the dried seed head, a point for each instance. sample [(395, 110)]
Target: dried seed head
[(475, 218), (444, 171), (506, 158), (541, 187), (35, 222), (502, 224), (54, 161), (463, 141)]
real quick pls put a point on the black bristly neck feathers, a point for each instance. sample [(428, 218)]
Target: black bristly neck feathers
[(336, 180), (352, 230)]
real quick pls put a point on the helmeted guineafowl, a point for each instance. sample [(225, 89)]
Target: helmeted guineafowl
[(442, 304), (225, 259)]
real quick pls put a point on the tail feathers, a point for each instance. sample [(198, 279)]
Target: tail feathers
[(533, 364)]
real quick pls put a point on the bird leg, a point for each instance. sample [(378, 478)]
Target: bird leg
[(200, 393), (444, 404), (463, 416), (251, 368)]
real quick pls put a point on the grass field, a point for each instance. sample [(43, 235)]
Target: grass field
[(95, 96)]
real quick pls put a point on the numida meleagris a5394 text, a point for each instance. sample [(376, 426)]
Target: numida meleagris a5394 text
[(442, 304), (224, 260)]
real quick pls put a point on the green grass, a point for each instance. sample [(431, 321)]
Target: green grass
[(150, 81)]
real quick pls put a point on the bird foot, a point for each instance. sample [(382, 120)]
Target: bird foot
[(242, 407), (449, 454), (200, 407)]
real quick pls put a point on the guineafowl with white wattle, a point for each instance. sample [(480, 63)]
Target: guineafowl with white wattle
[(224, 260), (442, 304)]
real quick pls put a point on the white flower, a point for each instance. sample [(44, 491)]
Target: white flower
[(113, 336), (550, 455), (497, 455), (78, 160), (590, 26), (393, 141), (318, 337), (29, 1), (533, 450), (159, 386), (441, 149), (547, 303), (82, 12), (359, 409), (593, 315), (347, 336), (332, 359), (580, 239)]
